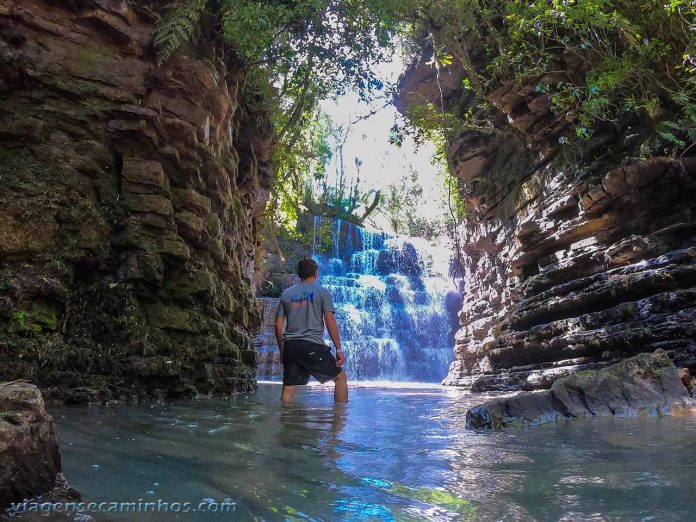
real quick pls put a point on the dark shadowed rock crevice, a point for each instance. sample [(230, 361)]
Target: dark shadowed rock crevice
[(129, 202), (644, 385)]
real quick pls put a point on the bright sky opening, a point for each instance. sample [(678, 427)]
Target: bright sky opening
[(383, 163)]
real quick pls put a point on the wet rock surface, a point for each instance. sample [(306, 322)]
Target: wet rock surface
[(29, 455), (265, 342), (129, 202), (576, 254), (644, 385)]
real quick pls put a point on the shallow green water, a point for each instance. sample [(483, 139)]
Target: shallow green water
[(391, 454)]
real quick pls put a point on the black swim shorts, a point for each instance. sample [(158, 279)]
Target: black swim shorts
[(304, 358)]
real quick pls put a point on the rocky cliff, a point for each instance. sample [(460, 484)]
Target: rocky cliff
[(129, 206), (576, 253)]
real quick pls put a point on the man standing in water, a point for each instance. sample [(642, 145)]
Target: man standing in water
[(303, 311)]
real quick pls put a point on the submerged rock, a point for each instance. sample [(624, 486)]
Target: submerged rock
[(644, 385), (29, 456)]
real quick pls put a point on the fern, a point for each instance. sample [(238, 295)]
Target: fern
[(175, 28), (21, 317)]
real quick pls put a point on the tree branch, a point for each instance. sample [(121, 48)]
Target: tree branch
[(369, 210), (297, 109)]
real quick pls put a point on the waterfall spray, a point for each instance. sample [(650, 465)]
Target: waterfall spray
[(391, 302)]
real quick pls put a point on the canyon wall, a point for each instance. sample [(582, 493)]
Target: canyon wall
[(130, 196), (576, 253)]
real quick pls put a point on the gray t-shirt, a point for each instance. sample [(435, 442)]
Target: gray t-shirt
[(303, 305)]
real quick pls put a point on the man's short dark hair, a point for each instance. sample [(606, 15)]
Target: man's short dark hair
[(307, 268)]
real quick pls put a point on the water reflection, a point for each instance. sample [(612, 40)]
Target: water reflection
[(390, 454)]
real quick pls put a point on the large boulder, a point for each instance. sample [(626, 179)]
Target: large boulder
[(645, 385), (29, 456)]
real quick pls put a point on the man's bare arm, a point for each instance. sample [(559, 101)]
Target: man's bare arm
[(279, 331), (332, 327)]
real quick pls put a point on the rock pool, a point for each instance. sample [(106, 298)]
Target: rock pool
[(390, 454)]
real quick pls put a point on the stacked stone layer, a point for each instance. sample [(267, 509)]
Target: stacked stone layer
[(129, 206), (577, 253)]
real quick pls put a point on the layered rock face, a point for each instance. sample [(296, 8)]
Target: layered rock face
[(128, 210), (576, 253), (644, 385), (29, 456)]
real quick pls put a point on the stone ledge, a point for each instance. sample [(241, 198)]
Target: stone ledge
[(646, 385)]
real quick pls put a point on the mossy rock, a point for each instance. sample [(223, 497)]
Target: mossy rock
[(645, 385), (110, 314), (190, 283), (170, 317), (44, 313), (134, 236), (24, 324), (5, 280)]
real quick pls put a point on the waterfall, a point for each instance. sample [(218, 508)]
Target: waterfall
[(393, 301)]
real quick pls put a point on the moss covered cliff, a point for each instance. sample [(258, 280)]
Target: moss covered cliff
[(129, 201)]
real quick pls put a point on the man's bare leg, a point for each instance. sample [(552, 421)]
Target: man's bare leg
[(341, 387), (288, 394)]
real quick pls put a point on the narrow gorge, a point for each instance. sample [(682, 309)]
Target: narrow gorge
[(133, 194), (164, 165)]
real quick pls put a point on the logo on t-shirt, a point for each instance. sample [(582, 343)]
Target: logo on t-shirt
[(303, 299)]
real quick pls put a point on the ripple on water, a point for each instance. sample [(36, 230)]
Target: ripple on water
[(391, 454)]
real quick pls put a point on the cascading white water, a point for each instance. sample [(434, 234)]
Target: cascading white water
[(393, 302)]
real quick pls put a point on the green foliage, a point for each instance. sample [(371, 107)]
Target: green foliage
[(21, 317), (429, 124), (24, 323), (176, 27), (343, 197), (455, 200), (401, 206), (41, 316), (666, 129), (595, 59), (622, 45), (338, 42), (297, 53), (296, 171), (322, 236)]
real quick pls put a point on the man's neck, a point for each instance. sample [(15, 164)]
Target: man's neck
[(309, 280)]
